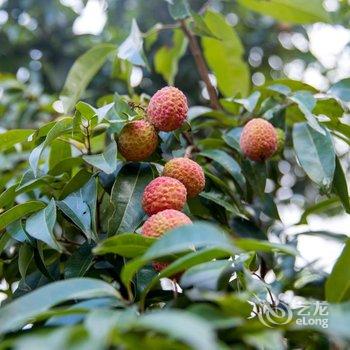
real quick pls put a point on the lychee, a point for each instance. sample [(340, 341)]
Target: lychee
[(188, 172), (160, 223), (167, 109), (258, 140), (137, 140), (163, 193)]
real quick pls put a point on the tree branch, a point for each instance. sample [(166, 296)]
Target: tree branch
[(201, 65)]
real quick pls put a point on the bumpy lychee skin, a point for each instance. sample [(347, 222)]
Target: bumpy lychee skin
[(167, 109), (188, 172), (137, 140), (164, 221), (258, 140), (163, 193), (159, 224)]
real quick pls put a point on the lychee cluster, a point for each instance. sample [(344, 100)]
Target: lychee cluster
[(258, 140), (165, 197), (167, 111)]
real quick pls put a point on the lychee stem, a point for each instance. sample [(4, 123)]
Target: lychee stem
[(200, 62)]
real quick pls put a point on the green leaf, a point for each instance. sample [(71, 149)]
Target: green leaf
[(181, 325), (182, 239), (200, 27), (228, 163), (107, 161), (19, 211), (185, 262), (322, 206), (128, 245), (250, 244), (167, 58), (25, 256), (250, 102), (126, 198), (306, 103), (23, 310), (80, 207), (9, 138), (79, 262), (217, 198), (338, 283), (206, 275), (341, 89), (40, 225), (59, 150), (330, 107), (179, 9), (315, 153), (291, 11), (81, 73), (65, 166), (340, 185), (75, 183), (131, 49), (232, 138), (59, 128), (224, 56)]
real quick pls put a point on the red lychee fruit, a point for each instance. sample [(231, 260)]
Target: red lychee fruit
[(166, 220), (159, 224), (137, 140), (258, 140), (163, 193), (188, 172), (167, 109)]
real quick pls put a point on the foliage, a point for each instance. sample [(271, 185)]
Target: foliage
[(74, 268)]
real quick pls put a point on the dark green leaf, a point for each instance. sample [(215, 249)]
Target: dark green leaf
[(128, 245), (25, 256), (126, 197), (340, 185), (228, 163), (79, 262)]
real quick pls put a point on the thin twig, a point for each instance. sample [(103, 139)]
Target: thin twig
[(86, 127), (175, 291), (268, 289), (204, 7), (201, 65)]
